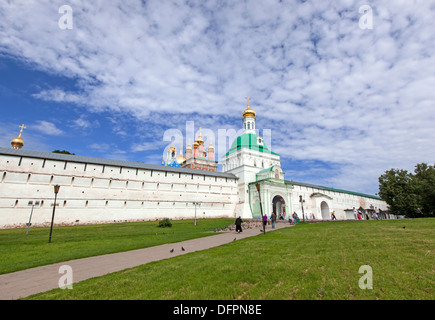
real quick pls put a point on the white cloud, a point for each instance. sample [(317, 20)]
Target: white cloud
[(83, 124), (363, 99), (47, 128)]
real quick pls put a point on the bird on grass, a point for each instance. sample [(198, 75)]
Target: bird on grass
[(182, 248), (172, 250)]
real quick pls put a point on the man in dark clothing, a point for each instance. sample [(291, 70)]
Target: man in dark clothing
[(239, 224)]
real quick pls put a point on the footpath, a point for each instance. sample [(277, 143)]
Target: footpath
[(24, 283)]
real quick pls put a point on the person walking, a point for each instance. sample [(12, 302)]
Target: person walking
[(333, 215), (264, 222), (273, 219), (239, 224)]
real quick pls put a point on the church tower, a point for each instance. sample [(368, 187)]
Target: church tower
[(247, 156), (249, 119)]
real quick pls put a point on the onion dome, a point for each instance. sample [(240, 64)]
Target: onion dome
[(200, 140), (18, 142), (180, 158), (248, 112), (210, 147), (195, 144), (172, 148), (188, 148)]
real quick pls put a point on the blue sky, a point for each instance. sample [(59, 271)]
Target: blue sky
[(344, 104)]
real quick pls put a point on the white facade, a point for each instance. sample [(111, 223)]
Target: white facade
[(246, 164), (320, 202), (98, 190)]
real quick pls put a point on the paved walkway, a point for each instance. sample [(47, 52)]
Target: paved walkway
[(28, 282)]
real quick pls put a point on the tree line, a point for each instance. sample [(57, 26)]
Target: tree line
[(407, 193)]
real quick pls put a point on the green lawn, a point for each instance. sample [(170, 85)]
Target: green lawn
[(309, 261), (19, 251)]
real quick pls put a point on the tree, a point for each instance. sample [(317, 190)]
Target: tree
[(397, 189), (425, 183), (63, 152), (405, 192)]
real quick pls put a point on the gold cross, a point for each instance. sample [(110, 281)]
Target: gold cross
[(248, 99), (22, 127)]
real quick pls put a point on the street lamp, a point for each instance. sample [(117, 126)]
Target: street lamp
[(31, 212), (261, 207), (195, 203), (56, 191), (302, 204)]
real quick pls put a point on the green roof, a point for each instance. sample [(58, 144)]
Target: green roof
[(333, 189), (250, 141), (265, 170)]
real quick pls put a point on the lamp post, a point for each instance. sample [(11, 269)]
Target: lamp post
[(31, 212), (56, 191), (195, 203), (302, 204), (261, 207)]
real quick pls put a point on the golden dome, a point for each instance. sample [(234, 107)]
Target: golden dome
[(210, 147), (248, 112), (172, 148), (180, 158), (200, 140), (17, 143)]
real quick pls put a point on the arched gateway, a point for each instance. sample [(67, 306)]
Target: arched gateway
[(325, 211), (278, 204)]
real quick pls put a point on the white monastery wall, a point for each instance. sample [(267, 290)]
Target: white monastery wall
[(335, 201), (94, 193)]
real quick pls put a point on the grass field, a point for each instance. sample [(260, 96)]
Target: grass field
[(19, 251), (309, 261)]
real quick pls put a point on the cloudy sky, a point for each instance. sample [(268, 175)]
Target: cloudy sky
[(342, 102)]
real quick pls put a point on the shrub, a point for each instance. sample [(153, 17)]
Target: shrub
[(165, 223)]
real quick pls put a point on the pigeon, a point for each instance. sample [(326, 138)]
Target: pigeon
[(172, 250), (234, 239), (182, 248), (403, 227)]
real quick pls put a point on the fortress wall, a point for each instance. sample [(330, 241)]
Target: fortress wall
[(96, 193), (335, 200)]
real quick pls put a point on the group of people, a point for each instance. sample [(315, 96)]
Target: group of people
[(359, 215), (294, 218), (265, 221)]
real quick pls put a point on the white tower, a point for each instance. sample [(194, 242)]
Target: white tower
[(247, 156), (249, 119), (171, 154)]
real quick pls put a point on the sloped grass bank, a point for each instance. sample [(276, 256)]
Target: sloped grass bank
[(310, 261)]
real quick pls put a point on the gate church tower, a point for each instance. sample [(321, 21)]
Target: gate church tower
[(247, 157)]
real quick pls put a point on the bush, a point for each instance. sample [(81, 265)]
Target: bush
[(165, 223)]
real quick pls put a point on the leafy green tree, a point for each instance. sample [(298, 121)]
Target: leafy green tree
[(425, 184), (406, 192), (63, 152), (397, 188)]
